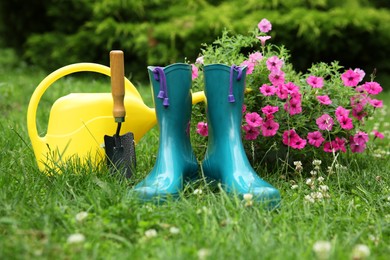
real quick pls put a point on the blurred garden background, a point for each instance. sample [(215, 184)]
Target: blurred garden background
[(55, 33)]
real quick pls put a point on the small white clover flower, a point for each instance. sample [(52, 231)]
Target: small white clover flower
[(322, 249), (81, 216), (248, 197), (309, 198), (174, 230), (324, 188), (313, 173), (317, 195), (75, 238), (298, 166), (309, 182), (320, 179), (298, 163), (317, 162), (198, 191), (360, 252), (203, 253), (294, 187), (150, 233)]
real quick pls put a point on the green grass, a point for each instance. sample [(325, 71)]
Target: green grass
[(38, 212)]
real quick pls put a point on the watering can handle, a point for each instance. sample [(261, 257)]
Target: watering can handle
[(70, 69), (56, 75)]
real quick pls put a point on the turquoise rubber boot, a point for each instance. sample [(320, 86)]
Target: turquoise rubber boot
[(225, 158), (176, 161)]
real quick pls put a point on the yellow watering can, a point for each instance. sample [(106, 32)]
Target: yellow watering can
[(79, 121)]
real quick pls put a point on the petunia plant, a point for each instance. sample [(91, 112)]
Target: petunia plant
[(291, 116)]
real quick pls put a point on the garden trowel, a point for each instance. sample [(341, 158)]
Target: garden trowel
[(120, 149)]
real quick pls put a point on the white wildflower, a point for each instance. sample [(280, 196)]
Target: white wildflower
[(75, 238), (309, 198), (298, 166), (198, 191), (248, 197), (317, 195), (81, 216), (324, 188), (174, 230), (360, 252), (294, 187), (309, 182), (317, 162), (320, 179), (322, 249), (150, 233), (313, 173), (203, 253)]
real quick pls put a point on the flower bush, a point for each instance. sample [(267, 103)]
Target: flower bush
[(291, 116)]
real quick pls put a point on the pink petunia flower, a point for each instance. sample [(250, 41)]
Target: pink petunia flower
[(360, 72), (325, 122), (340, 144), (263, 39), (255, 57), (315, 82), (269, 128), (315, 138), (281, 92), (243, 110), (194, 71), (325, 100), (360, 99), (360, 137), (345, 122), (340, 111), (291, 88), (376, 103), (276, 77), (274, 63), (251, 133), (289, 137), (250, 66), (329, 147), (253, 119), (200, 60), (293, 106), (270, 110), (378, 134), (264, 25), (350, 78), (372, 87), (356, 147), (202, 129), (267, 90), (298, 143), (358, 111)]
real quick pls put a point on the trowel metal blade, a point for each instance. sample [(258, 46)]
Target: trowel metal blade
[(120, 151)]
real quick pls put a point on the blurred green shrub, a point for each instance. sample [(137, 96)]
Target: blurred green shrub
[(54, 33)]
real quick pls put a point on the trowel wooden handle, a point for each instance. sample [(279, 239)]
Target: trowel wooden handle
[(118, 84)]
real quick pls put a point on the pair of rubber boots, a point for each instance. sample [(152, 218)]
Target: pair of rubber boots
[(225, 160)]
